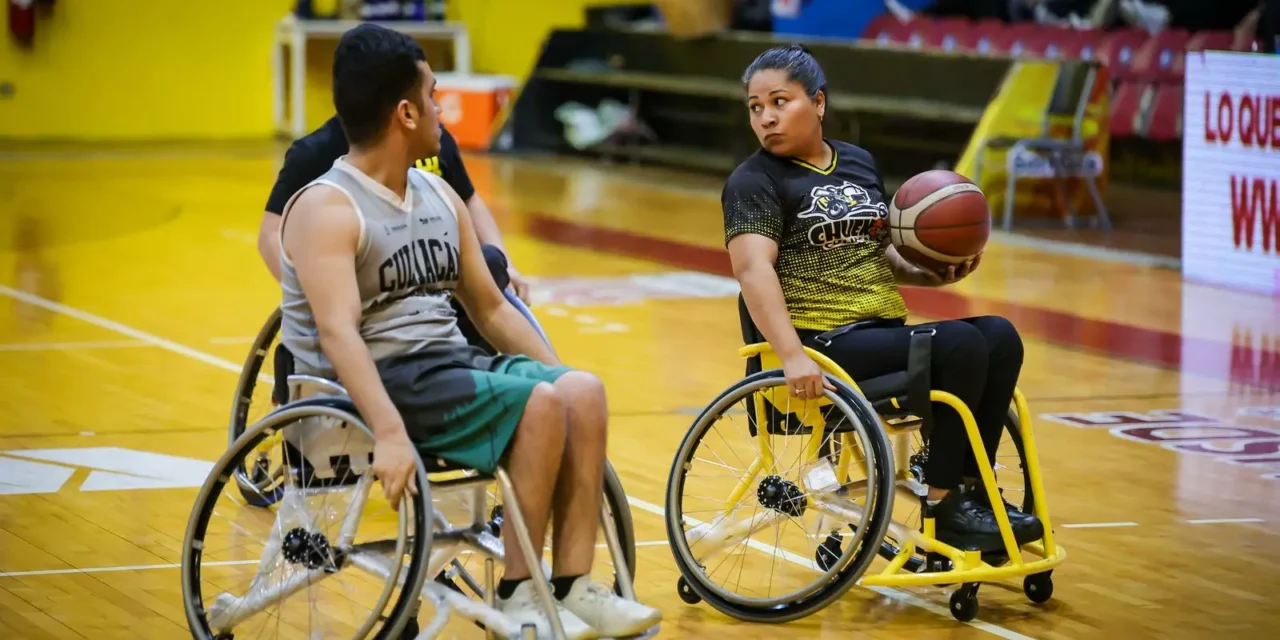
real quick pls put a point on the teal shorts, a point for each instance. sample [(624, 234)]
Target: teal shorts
[(463, 409)]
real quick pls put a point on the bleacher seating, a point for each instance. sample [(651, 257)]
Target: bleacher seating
[(1146, 71)]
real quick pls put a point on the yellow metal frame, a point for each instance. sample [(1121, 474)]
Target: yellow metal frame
[(968, 566)]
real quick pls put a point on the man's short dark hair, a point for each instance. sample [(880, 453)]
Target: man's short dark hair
[(374, 68)]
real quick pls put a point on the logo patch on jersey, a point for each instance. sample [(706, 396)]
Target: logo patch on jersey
[(429, 164), (846, 215)]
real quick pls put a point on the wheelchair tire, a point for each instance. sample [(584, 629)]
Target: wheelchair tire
[(835, 580), (413, 506), (251, 482), (616, 497)]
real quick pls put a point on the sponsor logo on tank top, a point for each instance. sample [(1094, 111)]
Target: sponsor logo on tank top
[(845, 215)]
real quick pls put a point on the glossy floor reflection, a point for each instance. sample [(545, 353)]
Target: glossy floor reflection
[(128, 299)]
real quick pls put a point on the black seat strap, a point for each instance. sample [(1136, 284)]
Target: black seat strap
[(825, 338), (919, 358)]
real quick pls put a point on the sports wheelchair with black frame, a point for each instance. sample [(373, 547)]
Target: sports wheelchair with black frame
[(824, 475), (302, 471)]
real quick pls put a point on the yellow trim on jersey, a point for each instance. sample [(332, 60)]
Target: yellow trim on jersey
[(835, 157)]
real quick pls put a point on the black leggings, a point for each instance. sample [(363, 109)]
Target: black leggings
[(976, 359)]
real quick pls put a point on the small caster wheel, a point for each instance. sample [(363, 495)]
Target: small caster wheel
[(964, 603), (1038, 587), (495, 521), (686, 593), (828, 553)]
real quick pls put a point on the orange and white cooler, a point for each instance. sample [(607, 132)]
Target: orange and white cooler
[(470, 105)]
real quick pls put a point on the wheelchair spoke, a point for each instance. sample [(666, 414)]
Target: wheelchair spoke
[(776, 496), (300, 544)]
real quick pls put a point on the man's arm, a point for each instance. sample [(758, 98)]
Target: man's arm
[(307, 159), (320, 241), (486, 228), (454, 172), (499, 322), (269, 242)]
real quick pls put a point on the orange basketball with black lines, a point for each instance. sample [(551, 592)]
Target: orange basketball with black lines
[(939, 219)]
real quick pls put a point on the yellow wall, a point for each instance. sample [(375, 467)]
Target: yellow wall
[(143, 69), (506, 35)]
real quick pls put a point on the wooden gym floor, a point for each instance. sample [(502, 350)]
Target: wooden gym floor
[(130, 287)]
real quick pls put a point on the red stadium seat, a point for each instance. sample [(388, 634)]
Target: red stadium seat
[(946, 34), (1042, 41), (1023, 40), (1161, 58), (984, 37), (1212, 41), (1082, 45), (1126, 107), (916, 33), (1165, 122), (886, 29), (1118, 49)]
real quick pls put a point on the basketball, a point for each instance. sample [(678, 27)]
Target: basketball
[(939, 219)]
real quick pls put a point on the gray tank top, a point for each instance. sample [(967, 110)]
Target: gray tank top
[(407, 268)]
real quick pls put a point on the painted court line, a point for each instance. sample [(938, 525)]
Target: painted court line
[(75, 346), (98, 321), (174, 347), (223, 563), (1098, 525), (136, 567), (888, 592), (1225, 521)]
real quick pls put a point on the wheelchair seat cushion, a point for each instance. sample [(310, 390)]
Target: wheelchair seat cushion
[(463, 411), (890, 385)]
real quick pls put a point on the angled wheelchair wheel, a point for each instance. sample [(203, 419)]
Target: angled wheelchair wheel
[(331, 560), (751, 499), (259, 476)]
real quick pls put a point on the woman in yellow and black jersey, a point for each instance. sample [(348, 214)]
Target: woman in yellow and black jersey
[(806, 224)]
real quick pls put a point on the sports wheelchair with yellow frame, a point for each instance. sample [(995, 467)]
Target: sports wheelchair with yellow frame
[(303, 477), (826, 473)]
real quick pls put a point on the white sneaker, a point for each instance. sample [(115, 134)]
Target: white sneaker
[(606, 612), (523, 608)]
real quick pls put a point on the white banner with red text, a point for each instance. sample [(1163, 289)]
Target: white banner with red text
[(1230, 170)]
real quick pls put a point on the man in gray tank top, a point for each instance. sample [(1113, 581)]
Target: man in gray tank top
[(369, 267)]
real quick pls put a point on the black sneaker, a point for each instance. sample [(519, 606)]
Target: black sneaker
[(964, 522), (1016, 517)]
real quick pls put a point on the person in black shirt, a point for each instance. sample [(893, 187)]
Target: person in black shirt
[(312, 155), (806, 226)]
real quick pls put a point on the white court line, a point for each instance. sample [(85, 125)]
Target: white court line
[(136, 567), (888, 592), (75, 346), (169, 345), (223, 563), (1098, 525), (1225, 521)]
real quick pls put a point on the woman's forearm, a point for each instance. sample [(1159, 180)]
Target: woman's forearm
[(763, 294)]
